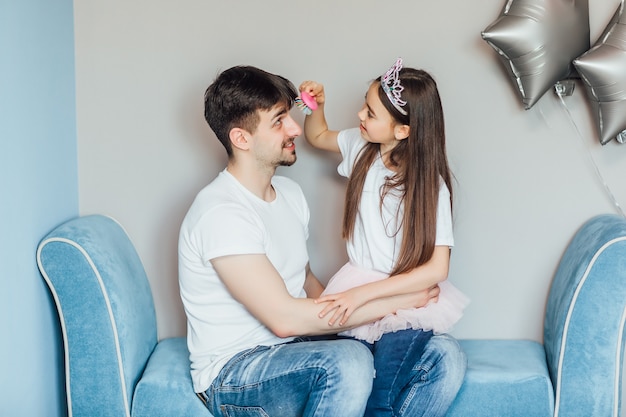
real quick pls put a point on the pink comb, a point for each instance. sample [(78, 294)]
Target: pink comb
[(306, 103)]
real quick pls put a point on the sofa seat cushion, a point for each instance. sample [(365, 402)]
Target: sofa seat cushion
[(504, 378), (165, 389)]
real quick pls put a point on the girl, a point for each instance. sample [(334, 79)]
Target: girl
[(398, 226)]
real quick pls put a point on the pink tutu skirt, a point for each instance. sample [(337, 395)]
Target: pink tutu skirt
[(439, 317)]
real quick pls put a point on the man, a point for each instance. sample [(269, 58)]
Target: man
[(245, 280)]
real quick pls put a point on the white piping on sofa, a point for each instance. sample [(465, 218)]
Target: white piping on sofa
[(63, 329), (616, 381)]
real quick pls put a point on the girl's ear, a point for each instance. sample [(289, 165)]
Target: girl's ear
[(239, 138), (401, 131)]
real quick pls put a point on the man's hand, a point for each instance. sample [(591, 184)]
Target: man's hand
[(343, 304)]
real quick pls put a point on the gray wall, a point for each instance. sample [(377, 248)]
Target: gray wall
[(526, 180)]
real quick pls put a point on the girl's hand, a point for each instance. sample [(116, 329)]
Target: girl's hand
[(342, 305), (314, 89)]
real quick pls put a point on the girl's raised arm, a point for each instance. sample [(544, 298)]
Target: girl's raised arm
[(316, 129)]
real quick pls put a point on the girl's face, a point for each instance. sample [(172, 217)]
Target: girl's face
[(377, 124)]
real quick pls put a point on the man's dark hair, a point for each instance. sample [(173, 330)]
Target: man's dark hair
[(233, 99)]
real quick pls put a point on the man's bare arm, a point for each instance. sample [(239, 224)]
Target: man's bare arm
[(253, 281)]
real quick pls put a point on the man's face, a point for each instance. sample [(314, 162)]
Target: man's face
[(274, 137)]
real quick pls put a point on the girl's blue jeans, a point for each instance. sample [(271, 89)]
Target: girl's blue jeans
[(318, 377), (417, 374)]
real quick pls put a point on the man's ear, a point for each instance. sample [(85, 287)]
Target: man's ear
[(239, 138), (401, 131)]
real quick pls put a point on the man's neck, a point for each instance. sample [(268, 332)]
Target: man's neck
[(257, 181)]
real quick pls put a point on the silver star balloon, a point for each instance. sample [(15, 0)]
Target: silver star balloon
[(537, 40), (603, 71)]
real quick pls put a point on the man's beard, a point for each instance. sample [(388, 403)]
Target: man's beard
[(288, 163)]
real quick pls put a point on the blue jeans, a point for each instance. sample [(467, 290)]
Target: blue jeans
[(417, 374), (301, 378)]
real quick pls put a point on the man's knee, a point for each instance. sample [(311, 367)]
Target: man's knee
[(445, 351), (354, 364), (354, 355), (345, 370)]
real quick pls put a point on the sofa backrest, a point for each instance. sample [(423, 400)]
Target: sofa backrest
[(584, 323), (106, 311)]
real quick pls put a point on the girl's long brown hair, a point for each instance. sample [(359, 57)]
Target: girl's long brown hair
[(419, 162)]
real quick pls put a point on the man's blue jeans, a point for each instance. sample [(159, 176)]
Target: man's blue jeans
[(302, 378), (417, 374)]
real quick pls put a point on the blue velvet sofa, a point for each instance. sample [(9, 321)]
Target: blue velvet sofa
[(115, 366)]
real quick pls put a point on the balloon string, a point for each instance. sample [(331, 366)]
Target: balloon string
[(591, 158)]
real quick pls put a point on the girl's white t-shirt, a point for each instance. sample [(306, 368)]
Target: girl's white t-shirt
[(377, 232)]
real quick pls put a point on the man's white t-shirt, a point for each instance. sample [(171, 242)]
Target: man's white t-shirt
[(227, 219), (377, 233)]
